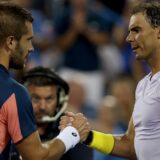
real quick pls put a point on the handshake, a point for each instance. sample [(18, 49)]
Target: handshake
[(74, 128)]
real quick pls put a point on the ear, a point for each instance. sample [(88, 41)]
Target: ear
[(11, 43)]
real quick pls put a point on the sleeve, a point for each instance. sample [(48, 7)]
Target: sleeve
[(20, 118)]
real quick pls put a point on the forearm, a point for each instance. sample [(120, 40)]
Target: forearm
[(123, 147), (120, 146), (97, 38), (31, 147), (66, 40), (54, 149), (66, 140)]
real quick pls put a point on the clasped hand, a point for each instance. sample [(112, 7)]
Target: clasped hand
[(78, 121)]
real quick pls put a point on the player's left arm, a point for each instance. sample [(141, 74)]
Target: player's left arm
[(117, 145)]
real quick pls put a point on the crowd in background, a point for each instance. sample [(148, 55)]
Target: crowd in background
[(84, 41)]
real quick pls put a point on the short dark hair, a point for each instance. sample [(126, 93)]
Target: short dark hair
[(43, 76), (12, 21), (38, 76), (151, 10)]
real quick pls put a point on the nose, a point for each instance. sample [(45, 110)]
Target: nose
[(129, 38), (42, 105), (31, 49)]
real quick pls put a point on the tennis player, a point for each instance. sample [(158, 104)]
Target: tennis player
[(17, 122), (142, 140)]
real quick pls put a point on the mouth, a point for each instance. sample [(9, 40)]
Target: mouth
[(40, 116), (25, 61), (27, 55), (26, 58), (135, 50)]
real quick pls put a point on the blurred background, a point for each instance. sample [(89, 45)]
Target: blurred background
[(84, 42)]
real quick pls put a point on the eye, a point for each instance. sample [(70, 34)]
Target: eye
[(30, 39), (35, 99), (50, 99), (136, 29)]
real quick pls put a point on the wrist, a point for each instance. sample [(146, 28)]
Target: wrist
[(89, 138), (101, 142), (69, 136)]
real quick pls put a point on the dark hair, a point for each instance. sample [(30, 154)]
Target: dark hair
[(41, 76), (12, 21), (151, 10)]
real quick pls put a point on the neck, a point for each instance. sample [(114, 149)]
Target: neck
[(4, 59), (154, 64), (154, 60)]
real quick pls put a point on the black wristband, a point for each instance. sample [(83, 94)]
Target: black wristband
[(89, 138)]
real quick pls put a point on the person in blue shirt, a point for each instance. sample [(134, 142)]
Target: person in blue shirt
[(17, 122)]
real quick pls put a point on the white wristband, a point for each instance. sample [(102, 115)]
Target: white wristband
[(69, 136)]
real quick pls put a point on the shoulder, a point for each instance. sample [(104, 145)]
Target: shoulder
[(20, 91), (143, 80), (10, 87), (19, 88)]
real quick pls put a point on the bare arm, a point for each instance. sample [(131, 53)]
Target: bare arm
[(66, 40), (79, 26), (97, 38), (124, 145), (120, 145), (31, 148)]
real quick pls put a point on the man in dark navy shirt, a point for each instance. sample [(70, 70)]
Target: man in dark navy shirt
[(80, 31), (16, 114)]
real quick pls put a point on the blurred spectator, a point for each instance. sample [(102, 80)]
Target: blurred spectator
[(116, 6), (111, 61), (77, 96), (106, 121), (43, 35), (79, 31), (49, 94), (110, 56), (106, 116), (123, 89)]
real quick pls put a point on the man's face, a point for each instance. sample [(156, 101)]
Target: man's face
[(23, 48), (142, 37), (44, 100)]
